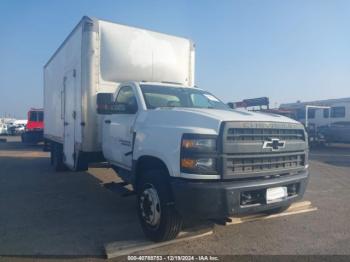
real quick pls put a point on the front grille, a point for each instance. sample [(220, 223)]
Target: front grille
[(245, 153), (242, 165), (262, 134)]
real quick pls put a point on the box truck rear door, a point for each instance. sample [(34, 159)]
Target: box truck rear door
[(69, 119)]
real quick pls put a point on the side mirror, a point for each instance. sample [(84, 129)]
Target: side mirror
[(104, 103)]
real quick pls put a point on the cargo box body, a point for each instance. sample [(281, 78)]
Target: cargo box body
[(96, 57)]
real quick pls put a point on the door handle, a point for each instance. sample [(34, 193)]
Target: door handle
[(107, 121), (66, 123)]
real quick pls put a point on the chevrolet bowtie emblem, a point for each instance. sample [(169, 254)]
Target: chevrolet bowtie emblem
[(274, 144)]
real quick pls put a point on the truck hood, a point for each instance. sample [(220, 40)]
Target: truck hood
[(199, 120), (237, 115)]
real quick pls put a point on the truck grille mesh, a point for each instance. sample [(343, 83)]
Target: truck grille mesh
[(255, 164), (262, 134)]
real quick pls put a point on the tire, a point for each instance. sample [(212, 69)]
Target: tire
[(46, 146), (23, 138), (57, 158), (81, 163), (51, 153), (158, 217)]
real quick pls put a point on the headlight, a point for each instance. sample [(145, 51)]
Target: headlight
[(200, 144), (199, 154), (200, 165)]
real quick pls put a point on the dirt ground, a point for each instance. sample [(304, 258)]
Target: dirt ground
[(44, 214)]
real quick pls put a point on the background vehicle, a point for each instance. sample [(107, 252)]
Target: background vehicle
[(19, 129), (34, 129), (338, 132), (127, 95), (3, 129), (335, 110), (20, 126), (11, 129)]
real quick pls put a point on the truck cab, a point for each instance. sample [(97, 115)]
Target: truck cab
[(34, 129), (189, 156)]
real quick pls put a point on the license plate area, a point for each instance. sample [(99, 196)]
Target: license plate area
[(264, 196), (276, 194)]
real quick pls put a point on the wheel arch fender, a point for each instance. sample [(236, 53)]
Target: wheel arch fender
[(147, 162)]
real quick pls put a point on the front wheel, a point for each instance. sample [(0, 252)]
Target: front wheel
[(81, 163), (159, 219)]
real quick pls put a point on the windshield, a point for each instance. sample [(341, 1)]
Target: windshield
[(165, 96), (36, 116)]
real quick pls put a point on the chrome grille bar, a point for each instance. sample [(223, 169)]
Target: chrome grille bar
[(260, 134), (264, 163)]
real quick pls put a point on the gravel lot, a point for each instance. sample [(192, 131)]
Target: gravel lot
[(48, 214)]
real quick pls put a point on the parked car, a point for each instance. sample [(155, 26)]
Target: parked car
[(20, 128), (11, 129), (3, 129)]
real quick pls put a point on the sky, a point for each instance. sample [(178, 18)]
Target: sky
[(286, 50)]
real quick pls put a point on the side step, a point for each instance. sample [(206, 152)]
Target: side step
[(119, 188)]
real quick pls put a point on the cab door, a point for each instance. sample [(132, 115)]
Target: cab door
[(119, 128)]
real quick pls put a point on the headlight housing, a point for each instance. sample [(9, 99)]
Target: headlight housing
[(199, 144), (199, 154)]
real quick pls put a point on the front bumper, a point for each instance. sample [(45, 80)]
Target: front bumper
[(219, 199)]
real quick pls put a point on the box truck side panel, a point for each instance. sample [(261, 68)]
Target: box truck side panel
[(62, 91), (133, 54), (96, 57), (90, 85)]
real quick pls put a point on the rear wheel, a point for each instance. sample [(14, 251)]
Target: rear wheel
[(46, 147), (81, 163), (57, 157), (159, 219), (23, 138), (51, 153)]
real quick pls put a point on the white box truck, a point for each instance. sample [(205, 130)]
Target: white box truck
[(126, 95)]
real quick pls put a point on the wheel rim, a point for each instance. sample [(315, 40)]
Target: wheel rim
[(150, 206)]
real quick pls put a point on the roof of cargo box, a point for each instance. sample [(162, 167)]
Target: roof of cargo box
[(94, 20), (84, 19), (134, 54), (91, 18), (36, 109)]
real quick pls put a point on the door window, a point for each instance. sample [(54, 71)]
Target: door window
[(338, 111), (36, 116), (126, 102), (325, 113), (311, 113)]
